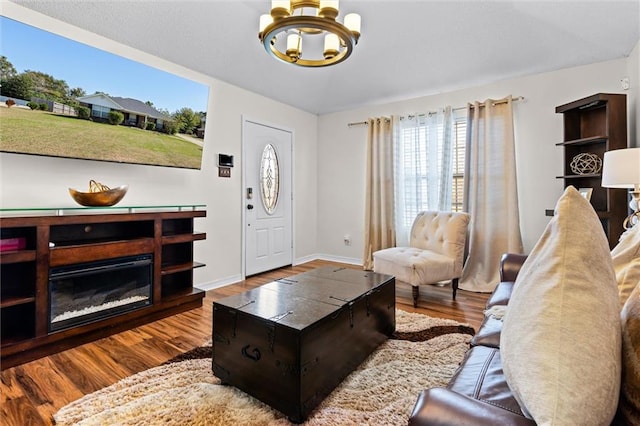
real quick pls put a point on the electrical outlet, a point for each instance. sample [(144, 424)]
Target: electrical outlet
[(347, 240), (624, 83)]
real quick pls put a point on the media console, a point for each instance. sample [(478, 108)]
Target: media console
[(72, 275)]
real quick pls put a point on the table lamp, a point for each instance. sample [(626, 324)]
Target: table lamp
[(621, 169)]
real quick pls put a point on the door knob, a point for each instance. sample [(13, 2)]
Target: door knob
[(249, 206)]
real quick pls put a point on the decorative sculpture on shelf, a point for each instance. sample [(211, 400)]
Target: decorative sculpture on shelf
[(586, 164)]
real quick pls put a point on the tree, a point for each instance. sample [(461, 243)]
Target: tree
[(7, 70), (21, 87), (187, 120), (164, 111), (48, 87), (76, 92)]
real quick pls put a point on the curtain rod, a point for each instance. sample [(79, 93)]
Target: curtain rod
[(500, 101)]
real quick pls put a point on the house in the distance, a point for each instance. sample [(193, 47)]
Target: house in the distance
[(136, 113)]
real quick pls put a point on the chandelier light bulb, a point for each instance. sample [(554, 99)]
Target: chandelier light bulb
[(331, 46), (294, 46), (280, 8), (352, 22), (264, 21), (284, 4), (329, 3), (329, 9)]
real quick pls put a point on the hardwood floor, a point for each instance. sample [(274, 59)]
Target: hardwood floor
[(31, 393)]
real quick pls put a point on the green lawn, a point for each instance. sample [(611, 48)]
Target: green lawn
[(39, 132)]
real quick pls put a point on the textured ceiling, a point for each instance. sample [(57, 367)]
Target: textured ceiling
[(407, 48)]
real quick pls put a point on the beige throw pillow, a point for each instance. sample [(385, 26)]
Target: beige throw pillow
[(629, 407), (561, 339), (626, 262)]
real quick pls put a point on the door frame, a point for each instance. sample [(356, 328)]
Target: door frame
[(247, 119)]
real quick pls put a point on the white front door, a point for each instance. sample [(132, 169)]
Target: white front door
[(267, 193)]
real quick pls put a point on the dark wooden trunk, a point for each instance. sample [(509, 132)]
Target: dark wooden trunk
[(290, 342)]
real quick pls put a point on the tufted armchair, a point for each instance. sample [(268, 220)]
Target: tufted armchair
[(436, 252)]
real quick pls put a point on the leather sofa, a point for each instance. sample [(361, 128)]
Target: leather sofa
[(478, 393)]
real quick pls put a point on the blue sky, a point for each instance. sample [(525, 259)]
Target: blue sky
[(92, 69)]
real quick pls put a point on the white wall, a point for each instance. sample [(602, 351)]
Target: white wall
[(633, 104), (30, 181), (341, 150)]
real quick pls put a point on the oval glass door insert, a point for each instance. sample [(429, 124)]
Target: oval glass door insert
[(269, 178)]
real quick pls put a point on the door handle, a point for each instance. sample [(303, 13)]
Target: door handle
[(249, 206)]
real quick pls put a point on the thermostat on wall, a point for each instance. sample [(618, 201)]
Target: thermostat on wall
[(225, 160)]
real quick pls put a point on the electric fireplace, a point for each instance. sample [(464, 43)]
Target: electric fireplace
[(87, 292)]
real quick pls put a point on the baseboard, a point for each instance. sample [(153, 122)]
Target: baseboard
[(222, 282), (330, 258)]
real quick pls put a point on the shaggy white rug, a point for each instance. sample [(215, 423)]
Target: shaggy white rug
[(382, 391)]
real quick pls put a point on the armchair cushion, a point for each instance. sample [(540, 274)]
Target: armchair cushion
[(561, 338), (442, 232), (436, 252), (413, 265)]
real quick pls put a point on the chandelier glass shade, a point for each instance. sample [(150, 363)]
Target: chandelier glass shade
[(306, 32)]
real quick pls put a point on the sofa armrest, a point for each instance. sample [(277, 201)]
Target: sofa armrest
[(510, 265), (443, 407)]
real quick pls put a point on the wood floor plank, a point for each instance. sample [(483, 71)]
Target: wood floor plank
[(20, 411), (31, 393), (9, 387)]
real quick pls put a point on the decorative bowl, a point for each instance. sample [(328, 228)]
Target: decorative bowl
[(104, 198)]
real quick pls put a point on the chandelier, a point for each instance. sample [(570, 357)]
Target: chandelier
[(326, 41)]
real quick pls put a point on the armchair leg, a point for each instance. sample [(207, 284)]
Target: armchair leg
[(414, 293), (454, 287)]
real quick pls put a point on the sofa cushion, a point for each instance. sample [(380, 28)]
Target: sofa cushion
[(442, 407), (561, 338), (413, 265), (480, 377), (501, 294), (629, 407), (489, 333), (626, 262)]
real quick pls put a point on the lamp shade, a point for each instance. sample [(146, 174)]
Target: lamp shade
[(621, 168)]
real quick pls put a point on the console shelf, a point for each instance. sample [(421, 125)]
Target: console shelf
[(17, 256), (166, 270), (67, 237), (584, 141), (14, 301)]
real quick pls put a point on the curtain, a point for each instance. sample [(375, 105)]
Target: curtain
[(491, 195), (423, 167), (379, 232)]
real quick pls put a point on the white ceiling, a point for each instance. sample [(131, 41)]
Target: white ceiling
[(407, 48)]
